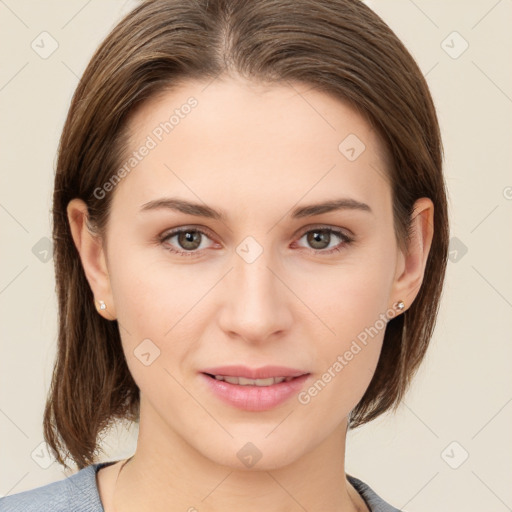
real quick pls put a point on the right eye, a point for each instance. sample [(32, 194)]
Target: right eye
[(188, 239)]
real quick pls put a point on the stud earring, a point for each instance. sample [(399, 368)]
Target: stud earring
[(102, 305), (400, 305)]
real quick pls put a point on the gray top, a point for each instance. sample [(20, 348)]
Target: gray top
[(79, 493)]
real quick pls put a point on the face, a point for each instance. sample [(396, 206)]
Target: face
[(263, 281)]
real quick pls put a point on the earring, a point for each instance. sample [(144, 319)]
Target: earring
[(400, 305), (102, 305)]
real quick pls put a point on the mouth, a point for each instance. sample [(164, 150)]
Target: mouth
[(254, 394), (244, 381)]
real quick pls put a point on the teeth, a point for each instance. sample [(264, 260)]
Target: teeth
[(242, 381)]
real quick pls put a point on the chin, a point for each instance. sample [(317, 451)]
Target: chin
[(253, 453)]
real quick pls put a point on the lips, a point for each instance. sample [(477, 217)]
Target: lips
[(254, 389), (266, 372), (255, 398)]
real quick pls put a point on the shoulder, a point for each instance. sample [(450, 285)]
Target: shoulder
[(373, 500), (78, 492)]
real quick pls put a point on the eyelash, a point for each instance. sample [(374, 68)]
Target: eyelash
[(346, 240)]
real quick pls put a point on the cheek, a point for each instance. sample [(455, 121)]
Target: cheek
[(347, 359), (354, 295), (150, 293), (355, 306), (157, 312), (162, 308)]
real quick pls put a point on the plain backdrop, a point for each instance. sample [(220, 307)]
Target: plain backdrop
[(448, 447)]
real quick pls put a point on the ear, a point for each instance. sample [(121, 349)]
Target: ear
[(92, 255), (412, 261)]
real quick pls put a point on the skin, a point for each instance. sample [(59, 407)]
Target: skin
[(255, 152)]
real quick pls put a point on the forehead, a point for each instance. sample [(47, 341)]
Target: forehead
[(253, 141)]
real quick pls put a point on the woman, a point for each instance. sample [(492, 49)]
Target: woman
[(250, 230)]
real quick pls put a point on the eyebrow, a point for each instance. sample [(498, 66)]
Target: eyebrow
[(202, 210)]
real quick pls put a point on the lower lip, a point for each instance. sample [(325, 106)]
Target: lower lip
[(255, 398)]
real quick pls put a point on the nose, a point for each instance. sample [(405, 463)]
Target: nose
[(256, 303)]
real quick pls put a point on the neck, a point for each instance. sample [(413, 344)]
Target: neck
[(167, 473)]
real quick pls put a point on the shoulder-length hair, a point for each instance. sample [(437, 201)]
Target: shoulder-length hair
[(340, 47)]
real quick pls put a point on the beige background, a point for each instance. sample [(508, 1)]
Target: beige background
[(460, 402)]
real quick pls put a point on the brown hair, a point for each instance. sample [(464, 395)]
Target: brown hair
[(338, 46)]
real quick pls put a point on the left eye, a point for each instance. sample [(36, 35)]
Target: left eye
[(320, 239)]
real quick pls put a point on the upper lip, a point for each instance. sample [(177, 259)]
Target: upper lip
[(264, 372)]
